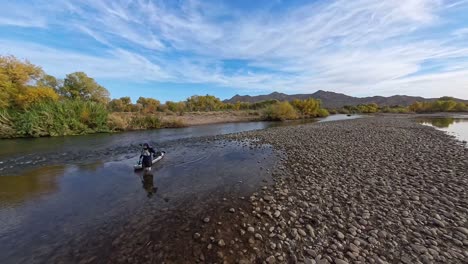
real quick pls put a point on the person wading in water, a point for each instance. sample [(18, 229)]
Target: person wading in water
[(146, 157)]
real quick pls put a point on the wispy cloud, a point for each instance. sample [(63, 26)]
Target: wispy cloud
[(461, 32), (21, 15), (358, 47), (115, 64)]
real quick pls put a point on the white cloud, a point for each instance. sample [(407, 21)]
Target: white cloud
[(117, 64), (356, 46), (454, 83)]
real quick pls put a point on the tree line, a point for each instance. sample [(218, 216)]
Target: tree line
[(443, 104)]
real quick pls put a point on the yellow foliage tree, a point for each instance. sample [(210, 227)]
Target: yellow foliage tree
[(309, 107), (15, 78), (280, 111), (33, 95)]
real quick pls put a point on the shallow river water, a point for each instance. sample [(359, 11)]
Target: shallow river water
[(45, 209), (456, 125)]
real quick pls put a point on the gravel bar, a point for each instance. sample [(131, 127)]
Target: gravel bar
[(373, 190)]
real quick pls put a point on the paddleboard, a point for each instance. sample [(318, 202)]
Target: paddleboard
[(155, 160)]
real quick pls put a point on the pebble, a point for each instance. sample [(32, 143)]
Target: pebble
[(221, 243), (463, 230), (340, 235), (340, 261), (302, 232), (437, 222), (354, 248), (277, 214), (271, 259)]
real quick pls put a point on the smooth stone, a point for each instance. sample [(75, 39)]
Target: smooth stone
[(340, 261)]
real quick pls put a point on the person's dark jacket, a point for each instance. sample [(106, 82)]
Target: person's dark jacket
[(147, 157)]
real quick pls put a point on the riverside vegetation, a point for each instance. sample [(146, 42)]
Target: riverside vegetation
[(35, 104)]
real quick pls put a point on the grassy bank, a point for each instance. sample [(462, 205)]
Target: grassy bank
[(54, 118), (63, 118), (137, 121)]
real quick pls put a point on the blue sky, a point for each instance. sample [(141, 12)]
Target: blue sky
[(170, 50)]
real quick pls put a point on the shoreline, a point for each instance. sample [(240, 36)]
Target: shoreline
[(193, 119)]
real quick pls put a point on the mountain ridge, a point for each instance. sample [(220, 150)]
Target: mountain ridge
[(336, 100)]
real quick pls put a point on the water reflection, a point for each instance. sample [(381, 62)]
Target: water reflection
[(439, 122), (31, 184), (91, 167), (457, 126), (148, 184)]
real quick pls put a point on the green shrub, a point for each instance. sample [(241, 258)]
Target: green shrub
[(7, 129), (322, 112), (116, 122), (394, 110), (173, 123), (280, 111), (145, 122), (344, 111), (60, 118)]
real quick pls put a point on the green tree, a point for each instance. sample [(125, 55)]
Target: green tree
[(116, 105), (79, 86), (259, 105), (49, 81), (176, 107), (460, 107), (203, 103), (127, 103)]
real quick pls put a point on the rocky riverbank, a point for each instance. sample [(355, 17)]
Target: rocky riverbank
[(375, 190)]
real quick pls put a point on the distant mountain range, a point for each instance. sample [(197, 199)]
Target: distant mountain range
[(336, 100)]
